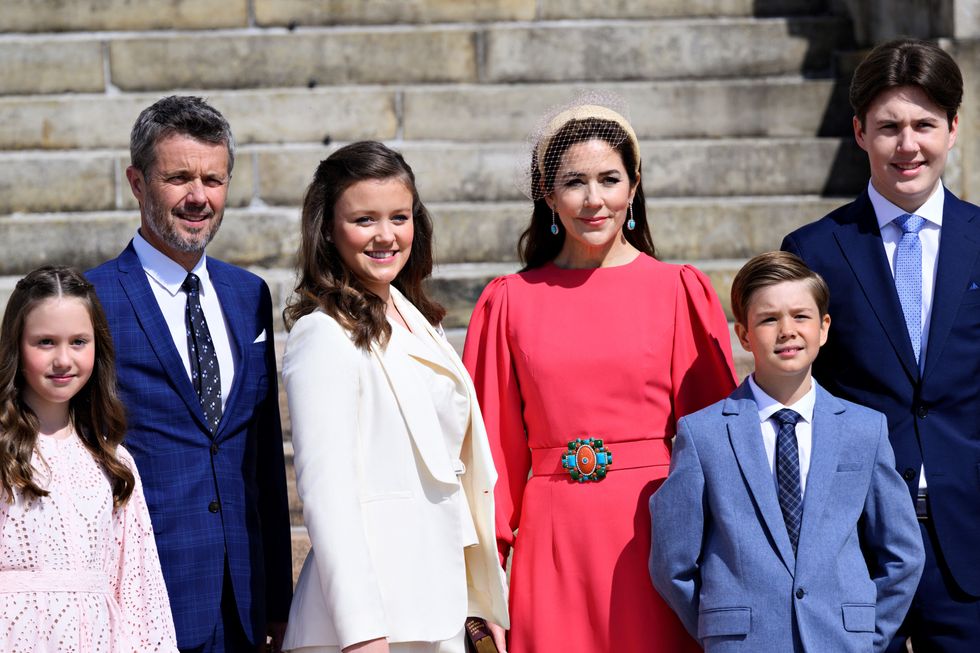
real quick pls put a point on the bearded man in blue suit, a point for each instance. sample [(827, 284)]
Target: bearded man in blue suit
[(903, 265), (197, 372)]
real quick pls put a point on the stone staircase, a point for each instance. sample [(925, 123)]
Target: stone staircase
[(744, 128)]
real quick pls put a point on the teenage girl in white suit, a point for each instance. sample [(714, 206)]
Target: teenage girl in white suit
[(392, 460)]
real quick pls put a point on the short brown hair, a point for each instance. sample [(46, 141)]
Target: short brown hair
[(769, 269), (907, 62)]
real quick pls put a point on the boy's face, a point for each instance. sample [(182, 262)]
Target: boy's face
[(907, 138), (784, 331)]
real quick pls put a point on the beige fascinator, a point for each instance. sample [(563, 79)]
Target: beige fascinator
[(596, 115)]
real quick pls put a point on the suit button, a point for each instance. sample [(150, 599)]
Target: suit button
[(214, 506), (922, 411), (800, 593), (214, 449), (908, 474)]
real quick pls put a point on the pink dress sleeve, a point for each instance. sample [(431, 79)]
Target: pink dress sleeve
[(138, 584), (488, 359), (701, 366)]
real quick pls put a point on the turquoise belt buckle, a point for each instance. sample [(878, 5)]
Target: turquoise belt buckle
[(586, 460)]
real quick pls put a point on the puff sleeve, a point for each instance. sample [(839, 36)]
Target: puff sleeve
[(489, 360), (701, 368)]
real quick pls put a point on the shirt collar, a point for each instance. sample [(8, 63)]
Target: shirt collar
[(164, 270), (767, 405), (931, 211)]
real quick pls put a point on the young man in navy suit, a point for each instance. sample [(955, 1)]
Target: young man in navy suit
[(903, 265), (197, 372), (783, 524)]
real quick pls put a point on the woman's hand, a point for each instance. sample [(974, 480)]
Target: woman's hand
[(499, 636), (379, 645)]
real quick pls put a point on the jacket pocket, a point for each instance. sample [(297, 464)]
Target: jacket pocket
[(849, 467), (724, 621), (859, 617)]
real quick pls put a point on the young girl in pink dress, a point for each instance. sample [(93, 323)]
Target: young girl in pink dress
[(78, 565)]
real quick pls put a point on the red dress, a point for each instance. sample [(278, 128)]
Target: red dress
[(613, 353)]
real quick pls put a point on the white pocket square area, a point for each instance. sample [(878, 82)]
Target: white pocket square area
[(260, 338)]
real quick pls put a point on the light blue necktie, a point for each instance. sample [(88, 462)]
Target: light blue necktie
[(908, 276), (788, 473)]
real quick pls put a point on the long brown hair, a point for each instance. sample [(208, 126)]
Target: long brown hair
[(325, 281), (537, 245), (95, 411)]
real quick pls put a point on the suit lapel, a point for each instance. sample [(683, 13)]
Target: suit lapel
[(234, 311), (860, 242), (132, 277), (745, 435), (825, 450), (958, 250), (413, 398)]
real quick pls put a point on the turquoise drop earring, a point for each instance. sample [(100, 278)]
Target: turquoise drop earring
[(554, 225), (631, 223)]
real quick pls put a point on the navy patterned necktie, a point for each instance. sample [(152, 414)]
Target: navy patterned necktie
[(908, 276), (788, 473), (200, 349)]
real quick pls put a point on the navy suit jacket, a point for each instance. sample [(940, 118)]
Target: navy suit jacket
[(722, 559), (933, 417), (208, 497)]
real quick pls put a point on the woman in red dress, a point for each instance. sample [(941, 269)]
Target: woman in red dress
[(593, 340)]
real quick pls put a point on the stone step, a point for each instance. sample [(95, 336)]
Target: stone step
[(97, 15), (683, 228), (355, 12), (787, 106), (450, 172), (565, 51), (790, 106), (690, 48), (301, 547), (101, 15)]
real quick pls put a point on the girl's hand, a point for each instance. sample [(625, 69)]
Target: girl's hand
[(379, 645), (499, 636)]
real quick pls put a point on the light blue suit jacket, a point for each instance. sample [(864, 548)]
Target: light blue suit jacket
[(721, 556)]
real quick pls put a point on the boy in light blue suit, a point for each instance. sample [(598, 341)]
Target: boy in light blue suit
[(783, 524)]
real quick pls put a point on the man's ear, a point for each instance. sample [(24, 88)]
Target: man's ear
[(137, 183), (859, 133), (954, 130)]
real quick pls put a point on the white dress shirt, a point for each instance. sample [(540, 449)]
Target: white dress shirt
[(891, 233), (166, 277), (804, 428)]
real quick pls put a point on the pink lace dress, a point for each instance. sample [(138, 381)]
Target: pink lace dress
[(77, 576)]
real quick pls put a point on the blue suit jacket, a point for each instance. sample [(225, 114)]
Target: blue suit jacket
[(184, 470), (721, 556), (933, 417)]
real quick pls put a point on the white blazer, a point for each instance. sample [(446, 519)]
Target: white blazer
[(380, 494)]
